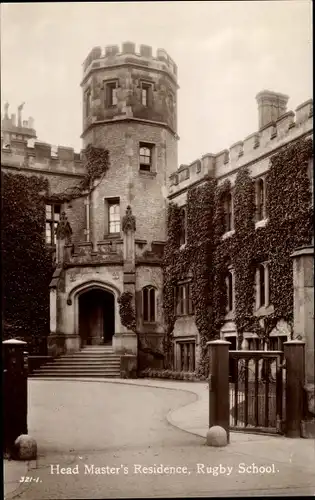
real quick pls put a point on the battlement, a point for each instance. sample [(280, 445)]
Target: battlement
[(289, 126), (112, 55), (41, 156)]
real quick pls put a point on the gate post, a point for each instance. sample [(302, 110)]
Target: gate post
[(14, 391), (219, 403), (295, 380)]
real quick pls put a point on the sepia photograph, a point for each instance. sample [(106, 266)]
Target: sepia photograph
[(157, 249)]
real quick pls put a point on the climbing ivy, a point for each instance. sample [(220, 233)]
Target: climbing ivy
[(26, 262), (126, 311), (96, 162), (206, 255)]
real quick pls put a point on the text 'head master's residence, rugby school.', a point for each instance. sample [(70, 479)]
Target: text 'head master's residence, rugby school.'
[(153, 259)]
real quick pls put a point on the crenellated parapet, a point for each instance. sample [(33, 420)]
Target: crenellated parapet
[(113, 55), (288, 127), (23, 154)]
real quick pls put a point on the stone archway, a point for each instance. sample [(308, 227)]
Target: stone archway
[(79, 295), (96, 316)]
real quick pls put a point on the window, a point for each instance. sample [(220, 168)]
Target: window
[(148, 304), (254, 344), (145, 157), (276, 343), (262, 285), (111, 93), (52, 219), (146, 94), (87, 102), (229, 282), (187, 356), (183, 222), (260, 200), (113, 216), (227, 207), (183, 302)]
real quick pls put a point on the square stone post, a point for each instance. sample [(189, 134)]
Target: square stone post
[(303, 282), (129, 339), (14, 391), (219, 403), (295, 379), (92, 217)]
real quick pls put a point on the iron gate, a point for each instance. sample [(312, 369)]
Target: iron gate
[(256, 391)]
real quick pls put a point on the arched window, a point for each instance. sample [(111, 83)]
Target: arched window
[(148, 304), (227, 207), (260, 200)]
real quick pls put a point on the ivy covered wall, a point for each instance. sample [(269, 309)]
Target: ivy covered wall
[(206, 255), (26, 262)]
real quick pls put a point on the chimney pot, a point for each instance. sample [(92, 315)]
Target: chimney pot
[(271, 105)]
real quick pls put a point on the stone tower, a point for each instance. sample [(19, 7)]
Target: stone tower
[(130, 109)]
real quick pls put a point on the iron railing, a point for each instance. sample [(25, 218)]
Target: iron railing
[(257, 400)]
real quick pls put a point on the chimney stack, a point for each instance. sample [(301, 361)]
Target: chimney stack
[(271, 105), (31, 122)]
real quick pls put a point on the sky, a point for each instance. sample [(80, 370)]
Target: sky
[(226, 52)]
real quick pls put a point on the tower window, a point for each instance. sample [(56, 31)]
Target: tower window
[(113, 216), (148, 304), (52, 219), (87, 103), (146, 94), (145, 157), (111, 93)]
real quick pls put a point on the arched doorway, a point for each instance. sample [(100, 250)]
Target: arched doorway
[(96, 317)]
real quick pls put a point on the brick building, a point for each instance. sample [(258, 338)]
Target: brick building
[(119, 227)]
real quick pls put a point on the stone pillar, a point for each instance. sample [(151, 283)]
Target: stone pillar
[(14, 386), (93, 208), (63, 237), (128, 341), (53, 310), (303, 282), (219, 403), (295, 379)]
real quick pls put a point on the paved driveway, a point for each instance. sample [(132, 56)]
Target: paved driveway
[(103, 435)]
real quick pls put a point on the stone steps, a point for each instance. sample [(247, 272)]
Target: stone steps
[(91, 361)]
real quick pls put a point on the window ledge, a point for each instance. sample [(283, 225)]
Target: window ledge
[(264, 311), (261, 223), (228, 234), (147, 174), (182, 246), (111, 236)]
